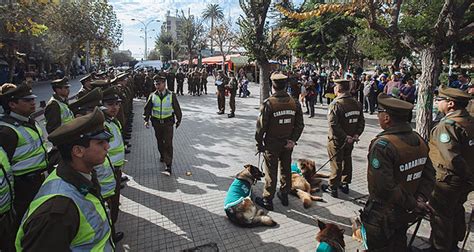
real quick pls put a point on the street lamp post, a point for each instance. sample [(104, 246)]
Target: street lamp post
[(145, 26)]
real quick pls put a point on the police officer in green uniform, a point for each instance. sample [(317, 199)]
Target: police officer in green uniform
[(180, 76), (221, 82), (452, 153), (400, 178), (232, 87), (68, 213), (279, 126), (57, 111), (346, 124), (86, 85), (21, 137), (7, 214), (162, 107)]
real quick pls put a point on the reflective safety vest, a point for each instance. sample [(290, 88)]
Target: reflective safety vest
[(162, 108), (106, 178), (117, 148), (94, 232), (6, 183), (30, 152), (66, 113)]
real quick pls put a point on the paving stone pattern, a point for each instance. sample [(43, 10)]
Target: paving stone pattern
[(162, 213)]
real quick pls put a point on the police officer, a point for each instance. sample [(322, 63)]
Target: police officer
[(86, 85), (7, 215), (57, 111), (221, 82), (232, 87), (203, 81), (451, 151), (68, 213), (346, 124), (21, 137), (162, 107), (170, 77), (180, 76), (279, 126), (400, 178)]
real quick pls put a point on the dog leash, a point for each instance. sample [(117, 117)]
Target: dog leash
[(260, 164), (329, 160)]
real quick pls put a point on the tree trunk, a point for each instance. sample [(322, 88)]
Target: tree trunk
[(264, 80), (223, 61), (430, 71), (396, 62), (212, 29)]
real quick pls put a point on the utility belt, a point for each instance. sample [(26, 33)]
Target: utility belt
[(163, 121), (31, 175), (389, 217)]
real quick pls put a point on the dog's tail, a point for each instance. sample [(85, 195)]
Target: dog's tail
[(317, 198), (320, 175), (356, 226), (264, 220), (304, 197)]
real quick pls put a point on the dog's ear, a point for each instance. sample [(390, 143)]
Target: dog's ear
[(248, 166), (321, 225)]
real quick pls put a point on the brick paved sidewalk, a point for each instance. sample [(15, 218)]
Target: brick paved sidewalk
[(161, 213)]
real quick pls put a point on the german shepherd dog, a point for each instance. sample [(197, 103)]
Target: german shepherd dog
[(239, 207), (330, 235), (308, 182)]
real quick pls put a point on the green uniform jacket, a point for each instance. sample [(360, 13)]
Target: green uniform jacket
[(345, 118)]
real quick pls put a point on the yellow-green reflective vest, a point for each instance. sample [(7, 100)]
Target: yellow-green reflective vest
[(66, 113), (162, 108), (106, 178), (94, 233), (117, 148), (30, 152), (6, 183)]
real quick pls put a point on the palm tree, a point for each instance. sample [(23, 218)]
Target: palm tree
[(213, 12)]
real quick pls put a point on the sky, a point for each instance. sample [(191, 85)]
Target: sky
[(146, 10)]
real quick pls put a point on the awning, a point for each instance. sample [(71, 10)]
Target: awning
[(240, 60)]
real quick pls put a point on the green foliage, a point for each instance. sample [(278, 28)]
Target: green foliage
[(119, 58), (164, 43), (191, 34)]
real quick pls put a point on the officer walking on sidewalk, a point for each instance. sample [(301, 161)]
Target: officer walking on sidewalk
[(162, 107), (68, 213), (451, 151), (400, 178), (279, 126), (346, 124)]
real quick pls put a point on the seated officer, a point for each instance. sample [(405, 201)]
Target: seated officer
[(68, 213)]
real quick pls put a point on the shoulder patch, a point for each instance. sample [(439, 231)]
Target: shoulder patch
[(444, 138), (382, 142), (375, 163)]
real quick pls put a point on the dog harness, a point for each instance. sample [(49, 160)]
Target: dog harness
[(295, 169), (324, 247), (238, 191)]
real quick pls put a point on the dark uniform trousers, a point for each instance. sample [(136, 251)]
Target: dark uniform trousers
[(221, 99), (164, 138), (7, 234), (180, 87), (233, 93), (341, 164), (25, 187), (274, 159), (448, 226)]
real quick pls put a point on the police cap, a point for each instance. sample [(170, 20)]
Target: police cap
[(58, 83), (393, 106), (111, 94), (454, 94), (278, 77), (87, 102), (11, 91)]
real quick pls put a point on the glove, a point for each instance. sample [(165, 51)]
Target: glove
[(177, 124), (260, 148)]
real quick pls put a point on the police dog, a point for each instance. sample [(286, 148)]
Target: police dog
[(308, 182), (239, 207), (330, 235)]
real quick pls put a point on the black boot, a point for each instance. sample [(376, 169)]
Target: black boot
[(344, 188), (283, 198), (264, 203), (328, 189)]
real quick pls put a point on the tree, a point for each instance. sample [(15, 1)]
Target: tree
[(118, 58), (257, 39), (427, 27), (167, 47), (226, 39), (153, 55), (191, 35), (213, 12)]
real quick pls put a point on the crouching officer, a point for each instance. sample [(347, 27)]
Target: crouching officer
[(279, 126), (68, 213), (7, 214), (400, 178), (451, 151)]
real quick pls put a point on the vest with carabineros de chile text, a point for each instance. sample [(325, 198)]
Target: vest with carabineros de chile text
[(282, 118), (351, 111)]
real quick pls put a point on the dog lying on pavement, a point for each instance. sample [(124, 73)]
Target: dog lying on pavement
[(330, 238), (305, 180), (239, 207)]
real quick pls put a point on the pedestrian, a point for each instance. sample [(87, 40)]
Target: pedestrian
[(180, 76), (68, 213), (7, 197), (162, 107), (407, 93), (392, 87), (232, 88), (369, 94), (279, 126), (311, 95), (221, 82), (203, 80), (400, 178), (346, 124), (451, 151), (21, 137)]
